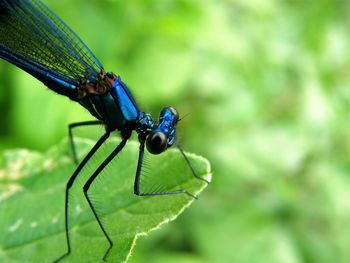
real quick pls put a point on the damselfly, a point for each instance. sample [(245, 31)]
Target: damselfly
[(34, 39)]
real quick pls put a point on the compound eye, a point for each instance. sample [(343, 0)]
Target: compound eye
[(156, 142)]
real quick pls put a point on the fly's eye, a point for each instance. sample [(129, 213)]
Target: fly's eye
[(156, 142), (171, 111)]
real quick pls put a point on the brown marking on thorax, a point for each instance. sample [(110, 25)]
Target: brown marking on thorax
[(103, 84)]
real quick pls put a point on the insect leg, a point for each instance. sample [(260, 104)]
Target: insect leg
[(70, 132), (90, 181), (190, 165), (137, 190), (70, 184)]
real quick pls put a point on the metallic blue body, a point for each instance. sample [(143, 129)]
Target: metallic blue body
[(167, 122), (116, 108), (44, 46), (125, 100), (61, 83), (37, 41)]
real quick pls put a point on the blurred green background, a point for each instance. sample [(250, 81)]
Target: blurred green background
[(265, 84)]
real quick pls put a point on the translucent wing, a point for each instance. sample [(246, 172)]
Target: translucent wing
[(36, 40)]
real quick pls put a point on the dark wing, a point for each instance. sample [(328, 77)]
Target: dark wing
[(36, 40)]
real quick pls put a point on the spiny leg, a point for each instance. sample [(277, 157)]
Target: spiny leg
[(90, 181), (190, 165), (70, 184), (70, 132), (137, 190)]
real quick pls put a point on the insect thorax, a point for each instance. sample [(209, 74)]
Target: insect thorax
[(97, 85)]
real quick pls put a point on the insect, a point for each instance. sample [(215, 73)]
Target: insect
[(34, 39)]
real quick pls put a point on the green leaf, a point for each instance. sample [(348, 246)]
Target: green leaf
[(32, 187)]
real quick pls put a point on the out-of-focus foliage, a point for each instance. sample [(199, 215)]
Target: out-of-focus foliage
[(266, 86)]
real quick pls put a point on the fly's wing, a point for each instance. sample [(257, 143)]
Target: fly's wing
[(36, 40)]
